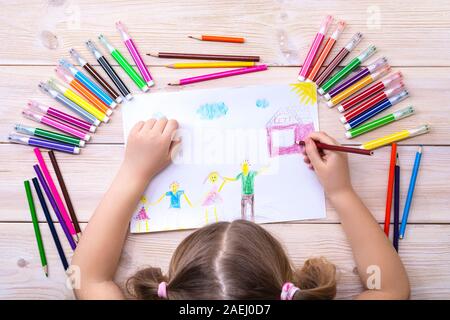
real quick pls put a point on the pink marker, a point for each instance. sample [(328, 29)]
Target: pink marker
[(61, 116), (28, 113), (218, 75), (135, 53), (314, 48), (54, 191)]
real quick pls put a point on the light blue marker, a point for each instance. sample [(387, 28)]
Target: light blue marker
[(88, 83), (412, 184)]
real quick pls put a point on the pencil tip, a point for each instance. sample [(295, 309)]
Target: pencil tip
[(45, 270), (173, 84), (420, 149)]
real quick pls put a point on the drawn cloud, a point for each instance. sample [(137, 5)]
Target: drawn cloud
[(210, 111)]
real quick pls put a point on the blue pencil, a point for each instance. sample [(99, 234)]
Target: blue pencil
[(62, 256), (412, 184)]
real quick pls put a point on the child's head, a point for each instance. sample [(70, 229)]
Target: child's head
[(237, 260)]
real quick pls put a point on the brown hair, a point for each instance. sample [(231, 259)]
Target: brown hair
[(237, 260)]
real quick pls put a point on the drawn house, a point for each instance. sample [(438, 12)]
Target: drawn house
[(284, 129)]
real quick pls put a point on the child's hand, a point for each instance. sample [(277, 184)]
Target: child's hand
[(330, 166), (149, 148)]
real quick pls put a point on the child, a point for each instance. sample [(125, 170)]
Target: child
[(237, 260)]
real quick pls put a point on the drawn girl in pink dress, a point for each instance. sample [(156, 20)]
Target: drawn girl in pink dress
[(142, 215), (213, 197)]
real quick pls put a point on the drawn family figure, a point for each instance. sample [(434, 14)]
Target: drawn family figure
[(175, 195), (213, 198), (247, 178), (142, 215)]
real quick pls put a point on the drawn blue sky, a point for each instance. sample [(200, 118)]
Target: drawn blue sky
[(210, 111)]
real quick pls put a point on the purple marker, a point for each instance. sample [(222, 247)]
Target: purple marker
[(42, 143), (358, 76), (54, 206), (135, 54), (61, 116)]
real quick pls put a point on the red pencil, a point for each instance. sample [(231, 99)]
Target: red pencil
[(325, 146), (390, 188)]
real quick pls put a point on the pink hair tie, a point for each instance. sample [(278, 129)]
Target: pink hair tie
[(162, 290), (288, 291)]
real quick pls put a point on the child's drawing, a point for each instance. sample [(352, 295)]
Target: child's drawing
[(210, 111), (262, 103), (175, 195), (247, 178), (213, 198), (306, 91), (284, 129), (142, 216)]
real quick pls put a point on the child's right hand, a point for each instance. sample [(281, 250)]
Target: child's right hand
[(149, 148), (331, 167)]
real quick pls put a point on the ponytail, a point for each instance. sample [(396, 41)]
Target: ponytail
[(143, 285)]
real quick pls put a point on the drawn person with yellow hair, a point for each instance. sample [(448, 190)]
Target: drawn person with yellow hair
[(213, 198), (174, 194)]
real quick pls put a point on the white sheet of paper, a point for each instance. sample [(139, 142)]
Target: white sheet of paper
[(220, 128)]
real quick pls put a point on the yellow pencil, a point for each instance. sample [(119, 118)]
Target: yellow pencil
[(231, 64), (394, 137), (78, 100)]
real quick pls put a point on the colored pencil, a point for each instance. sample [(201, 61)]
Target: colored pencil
[(325, 146), (218, 38), (95, 75), (88, 83), (195, 65), (364, 72), (340, 56), (367, 93), (396, 203), (65, 193), (372, 102), (364, 82), (390, 189), (42, 143), (368, 114), (132, 49), (52, 201), (409, 197), (50, 223), (352, 65), (394, 137), (37, 231), (104, 63), (38, 132), (200, 56), (69, 104), (71, 95), (124, 64), (326, 51), (218, 75), (82, 90), (74, 121), (54, 191), (30, 114), (377, 123), (318, 39)]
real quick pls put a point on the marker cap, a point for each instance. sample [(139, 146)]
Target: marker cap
[(353, 41), (76, 56), (326, 24)]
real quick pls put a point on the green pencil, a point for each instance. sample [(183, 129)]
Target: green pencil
[(37, 231), (372, 125), (355, 63), (126, 66)]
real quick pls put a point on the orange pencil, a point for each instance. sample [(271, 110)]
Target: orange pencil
[(390, 188), (218, 38), (326, 50), (85, 92)]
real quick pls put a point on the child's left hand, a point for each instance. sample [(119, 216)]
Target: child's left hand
[(149, 148)]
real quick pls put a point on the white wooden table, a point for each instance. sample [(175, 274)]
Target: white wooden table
[(412, 34)]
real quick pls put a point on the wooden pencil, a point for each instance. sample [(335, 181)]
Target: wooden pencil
[(396, 203), (37, 231), (390, 188), (325, 146), (205, 37), (200, 56), (65, 193)]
